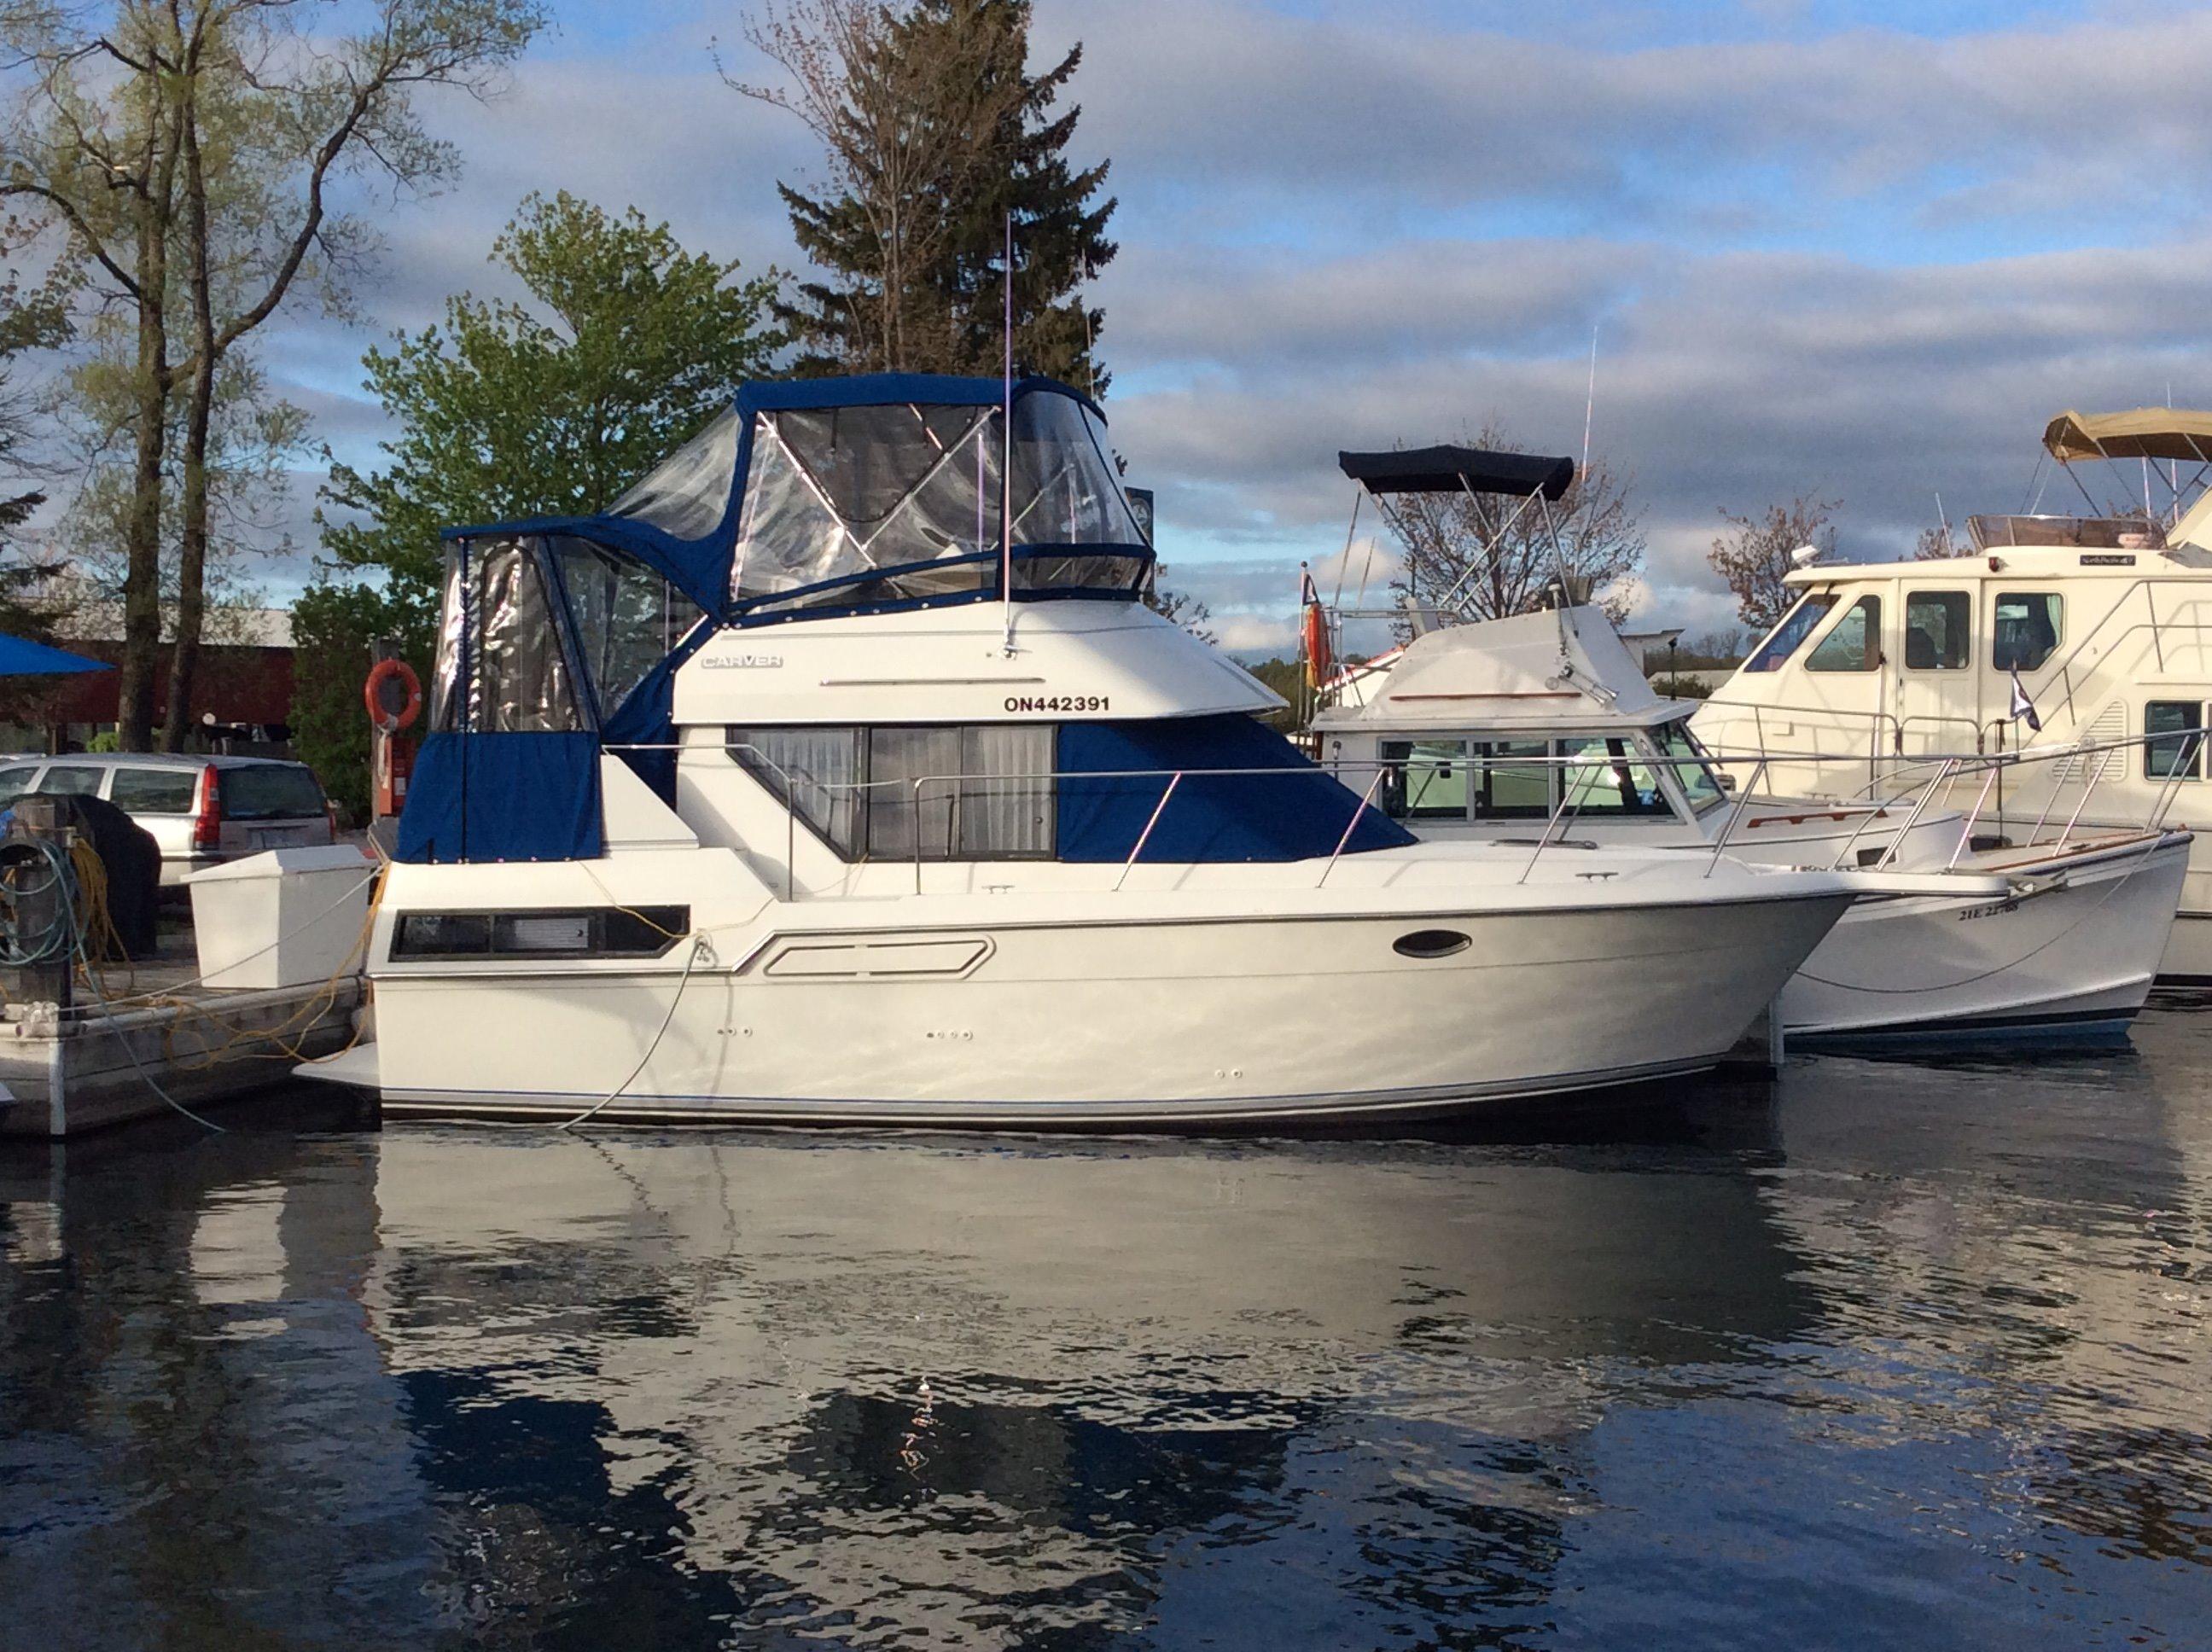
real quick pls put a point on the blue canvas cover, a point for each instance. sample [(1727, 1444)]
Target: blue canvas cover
[(1254, 818), (21, 657), (503, 797), (872, 490)]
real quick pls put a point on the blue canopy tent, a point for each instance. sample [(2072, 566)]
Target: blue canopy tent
[(21, 657)]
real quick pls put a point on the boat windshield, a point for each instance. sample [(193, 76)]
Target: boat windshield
[(1795, 626), (1699, 784), (1608, 780)]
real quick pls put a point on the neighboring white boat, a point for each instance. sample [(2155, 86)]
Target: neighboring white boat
[(762, 798), (2101, 624), (1542, 727)]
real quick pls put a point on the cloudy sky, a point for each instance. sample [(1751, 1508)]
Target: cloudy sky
[(1858, 248)]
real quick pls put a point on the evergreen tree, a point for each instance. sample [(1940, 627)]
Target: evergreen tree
[(935, 134)]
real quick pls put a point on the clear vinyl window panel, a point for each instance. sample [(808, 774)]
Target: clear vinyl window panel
[(629, 619), (502, 668), (686, 495), (840, 494)]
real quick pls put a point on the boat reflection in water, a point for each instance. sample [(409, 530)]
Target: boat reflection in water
[(1865, 1353)]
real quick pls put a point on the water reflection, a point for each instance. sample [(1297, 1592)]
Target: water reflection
[(1914, 1349)]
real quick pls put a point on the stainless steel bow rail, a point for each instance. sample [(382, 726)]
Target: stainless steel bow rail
[(1586, 777)]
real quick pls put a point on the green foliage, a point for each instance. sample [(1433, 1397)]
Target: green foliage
[(552, 408), (556, 407), (1288, 679), (106, 740), (254, 436), (333, 627)]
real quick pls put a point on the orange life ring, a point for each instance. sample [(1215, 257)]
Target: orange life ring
[(386, 671)]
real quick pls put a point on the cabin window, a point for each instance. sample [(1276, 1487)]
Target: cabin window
[(2027, 629), (1937, 626), (1696, 778), (813, 772), (983, 791), (1853, 642), (1427, 780), (1796, 625), (2180, 751), (1610, 780), (1512, 780)]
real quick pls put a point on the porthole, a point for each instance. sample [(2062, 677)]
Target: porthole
[(1429, 944)]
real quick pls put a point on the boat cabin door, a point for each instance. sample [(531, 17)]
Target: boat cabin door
[(1934, 671)]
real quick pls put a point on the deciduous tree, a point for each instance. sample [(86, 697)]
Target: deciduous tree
[(1752, 558), (626, 344)]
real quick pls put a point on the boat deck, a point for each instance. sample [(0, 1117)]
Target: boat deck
[(148, 1028)]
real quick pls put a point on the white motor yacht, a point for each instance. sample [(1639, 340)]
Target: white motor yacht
[(1541, 728), (840, 773), (2081, 637)]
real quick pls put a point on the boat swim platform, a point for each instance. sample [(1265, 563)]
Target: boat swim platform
[(97, 1064)]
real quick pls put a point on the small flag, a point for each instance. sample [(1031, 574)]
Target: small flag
[(2022, 706)]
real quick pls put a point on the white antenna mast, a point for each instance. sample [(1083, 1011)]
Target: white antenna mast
[(1590, 405), (1007, 470)]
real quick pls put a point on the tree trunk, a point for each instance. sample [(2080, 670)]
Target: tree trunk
[(142, 578), (192, 540)]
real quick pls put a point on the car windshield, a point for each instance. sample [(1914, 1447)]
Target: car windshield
[(270, 792)]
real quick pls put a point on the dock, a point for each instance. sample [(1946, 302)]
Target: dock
[(152, 1028)]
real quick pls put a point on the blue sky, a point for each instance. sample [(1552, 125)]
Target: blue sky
[(1854, 248)]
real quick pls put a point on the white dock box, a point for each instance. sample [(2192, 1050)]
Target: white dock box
[(285, 918)]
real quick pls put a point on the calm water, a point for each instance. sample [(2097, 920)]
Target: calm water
[(1890, 1355)]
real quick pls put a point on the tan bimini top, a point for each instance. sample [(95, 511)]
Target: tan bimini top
[(2144, 433)]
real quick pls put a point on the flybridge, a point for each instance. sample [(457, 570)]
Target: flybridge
[(802, 500)]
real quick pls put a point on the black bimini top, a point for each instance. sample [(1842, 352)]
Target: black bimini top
[(1447, 469)]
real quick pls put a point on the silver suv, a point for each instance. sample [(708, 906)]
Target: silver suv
[(202, 810)]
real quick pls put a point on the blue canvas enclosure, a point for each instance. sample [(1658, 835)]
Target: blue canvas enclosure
[(1104, 808), (503, 797), (834, 494), (891, 490)]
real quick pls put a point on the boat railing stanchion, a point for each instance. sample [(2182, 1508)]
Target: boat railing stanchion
[(1966, 831), (2051, 802), (1350, 826), (1919, 808), (1145, 836), (1728, 826), (2087, 793), (1564, 767)]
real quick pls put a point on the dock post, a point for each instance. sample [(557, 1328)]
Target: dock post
[(41, 907), (1777, 1044)]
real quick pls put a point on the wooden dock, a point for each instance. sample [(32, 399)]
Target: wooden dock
[(99, 1064)]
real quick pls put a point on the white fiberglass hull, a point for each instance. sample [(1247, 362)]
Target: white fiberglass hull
[(1098, 1023), (2075, 957)]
